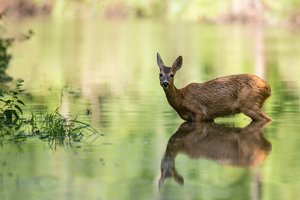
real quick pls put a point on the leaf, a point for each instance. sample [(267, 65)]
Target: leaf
[(18, 126), (21, 102), (15, 114), (8, 114), (19, 109)]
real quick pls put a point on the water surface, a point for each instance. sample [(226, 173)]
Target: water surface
[(109, 68)]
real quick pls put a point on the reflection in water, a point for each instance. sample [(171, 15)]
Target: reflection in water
[(243, 147), (130, 102)]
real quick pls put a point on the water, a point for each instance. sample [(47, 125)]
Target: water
[(109, 68)]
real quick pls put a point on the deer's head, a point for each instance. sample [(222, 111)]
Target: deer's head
[(166, 74)]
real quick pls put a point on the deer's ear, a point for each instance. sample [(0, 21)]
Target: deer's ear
[(177, 64), (159, 61)]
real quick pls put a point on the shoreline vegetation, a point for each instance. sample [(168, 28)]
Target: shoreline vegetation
[(55, 128), (202, 11)]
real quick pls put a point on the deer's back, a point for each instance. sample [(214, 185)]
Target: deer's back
[(221, 96)]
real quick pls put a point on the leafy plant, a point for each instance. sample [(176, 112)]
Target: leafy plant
[(11, 104)]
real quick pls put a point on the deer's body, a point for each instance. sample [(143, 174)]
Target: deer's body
[(219, 97)]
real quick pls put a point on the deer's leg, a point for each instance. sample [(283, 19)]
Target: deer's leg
[(251, 103), (256, 114)]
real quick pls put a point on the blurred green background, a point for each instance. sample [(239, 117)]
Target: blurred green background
[(286, 11), (101, 56)]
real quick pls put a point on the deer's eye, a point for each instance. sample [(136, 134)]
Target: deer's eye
[(160, 75), (172, 75)]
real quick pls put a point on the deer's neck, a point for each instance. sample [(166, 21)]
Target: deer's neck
[(174, 96)]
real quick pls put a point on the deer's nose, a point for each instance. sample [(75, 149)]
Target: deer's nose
[(165, 84)]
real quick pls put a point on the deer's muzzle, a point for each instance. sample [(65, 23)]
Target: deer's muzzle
[(165, 84)]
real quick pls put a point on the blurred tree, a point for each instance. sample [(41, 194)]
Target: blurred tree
[(242, 11), (4, 59), (21, 8), (247, 11)]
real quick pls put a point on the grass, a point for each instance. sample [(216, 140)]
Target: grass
[(60, 130), (53, 128)]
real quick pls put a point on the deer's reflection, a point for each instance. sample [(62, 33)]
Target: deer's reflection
[(244, 147)]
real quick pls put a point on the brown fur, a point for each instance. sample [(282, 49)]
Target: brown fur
[(245, 147), (224, 96)]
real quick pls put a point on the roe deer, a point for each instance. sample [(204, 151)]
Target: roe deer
[(242, 147), (219, 97)]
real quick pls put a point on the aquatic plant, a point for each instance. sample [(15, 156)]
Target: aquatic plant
[(54, 128), (60, 130)]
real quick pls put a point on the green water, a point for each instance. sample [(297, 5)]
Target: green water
[(109, 68)]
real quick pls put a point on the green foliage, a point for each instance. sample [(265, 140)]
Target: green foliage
[(53, 128), (11, 104), (5, 57), (11, 108)]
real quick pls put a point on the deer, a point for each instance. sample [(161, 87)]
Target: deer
[(219, 97), (234, 146)]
